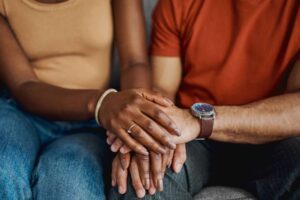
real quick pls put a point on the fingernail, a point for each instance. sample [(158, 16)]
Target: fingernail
[(178, 167), (152, 191), (113, 182), (108, 142), (113, 148), (160, 185), (177, 131), (147, 184), (144, 152), (172, 145), (122, 150), (121, 190), (162, 150), (140, 193)]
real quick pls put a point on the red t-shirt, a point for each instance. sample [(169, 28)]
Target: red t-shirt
[(233, 52)]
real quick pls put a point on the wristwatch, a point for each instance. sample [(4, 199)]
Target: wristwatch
[(206, 114)]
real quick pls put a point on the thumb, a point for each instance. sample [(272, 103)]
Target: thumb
[(156, 97)]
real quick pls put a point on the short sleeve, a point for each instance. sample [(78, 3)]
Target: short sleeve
[(166, 24)]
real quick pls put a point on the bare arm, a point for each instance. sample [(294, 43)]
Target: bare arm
[(264, 121), (167, 72), (131, 41), (35, 96)]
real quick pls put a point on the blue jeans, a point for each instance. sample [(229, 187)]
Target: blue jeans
[(42, 159)]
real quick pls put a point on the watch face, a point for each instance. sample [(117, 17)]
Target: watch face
[(203, 109)]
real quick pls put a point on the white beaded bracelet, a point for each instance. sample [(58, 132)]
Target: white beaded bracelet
[(99, 103)]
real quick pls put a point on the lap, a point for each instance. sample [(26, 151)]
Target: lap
[(184, 185), (19, 139), (73, 167), (269, 171)]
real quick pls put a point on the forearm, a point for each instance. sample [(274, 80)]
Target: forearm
[(136, 76), (57, 103), (264, 121), (131, 41)]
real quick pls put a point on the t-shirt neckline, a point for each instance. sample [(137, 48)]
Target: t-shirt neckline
[(48, 6)]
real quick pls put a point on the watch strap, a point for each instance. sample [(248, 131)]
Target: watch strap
[(207, 125)]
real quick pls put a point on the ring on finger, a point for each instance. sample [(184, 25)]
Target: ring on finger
[(130, 128)]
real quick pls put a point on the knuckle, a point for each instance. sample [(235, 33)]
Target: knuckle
[(136, 99), (136, 184), (127, 108), (158, 114), (157, 173), (164, 138), (149, 125), (143, 157), (156, 156), (137, 134), (136, 147), (119, 178)]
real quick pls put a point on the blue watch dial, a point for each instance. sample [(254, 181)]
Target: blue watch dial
[(203, 109)]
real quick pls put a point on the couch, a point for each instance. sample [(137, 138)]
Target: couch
[(209, 193)]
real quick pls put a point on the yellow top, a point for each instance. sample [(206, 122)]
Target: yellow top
[(68, 44)]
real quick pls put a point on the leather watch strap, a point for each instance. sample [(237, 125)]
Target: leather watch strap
[(206, 127)]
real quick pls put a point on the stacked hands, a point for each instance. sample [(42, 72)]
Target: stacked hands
[(148, 133)]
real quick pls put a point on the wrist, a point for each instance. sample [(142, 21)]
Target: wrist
[(101, 104), (92, 102), (193, 125)]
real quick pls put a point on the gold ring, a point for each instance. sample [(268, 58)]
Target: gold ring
[(130, 128)]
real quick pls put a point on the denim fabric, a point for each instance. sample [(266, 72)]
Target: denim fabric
[(42, 159)]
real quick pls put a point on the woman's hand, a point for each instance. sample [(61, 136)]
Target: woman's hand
[(189, 126), (135, 116)]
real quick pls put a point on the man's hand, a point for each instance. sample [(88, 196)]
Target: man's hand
[(186, 122), (140, 110)]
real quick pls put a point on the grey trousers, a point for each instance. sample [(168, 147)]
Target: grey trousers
[(270, 171)]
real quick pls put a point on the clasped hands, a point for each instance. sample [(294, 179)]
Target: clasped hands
[(148, 133)]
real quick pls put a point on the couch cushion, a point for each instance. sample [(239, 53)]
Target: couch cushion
[(223, 193)]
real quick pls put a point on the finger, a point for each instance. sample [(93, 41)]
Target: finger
[(170, 158), (156, 171), (145, 139), (157, 98), (132, 143), (152, 189), (125, 149), (117, 144), (156, 132), (179, 158), (144, 169), (114, 172), (124, 160), (165, 160), (136, 180), (161, 118), (110, 137), (122, 179)]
